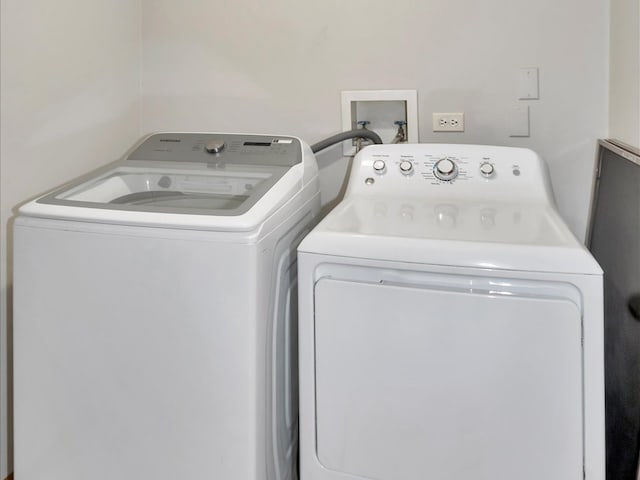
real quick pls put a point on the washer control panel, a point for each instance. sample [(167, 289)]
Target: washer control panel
[(219, 149), (465, 170)]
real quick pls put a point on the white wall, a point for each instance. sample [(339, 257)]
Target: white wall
[(252, 65), (625, 72), (69, 91)]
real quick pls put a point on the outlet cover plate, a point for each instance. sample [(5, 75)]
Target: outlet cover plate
[(448, 122)]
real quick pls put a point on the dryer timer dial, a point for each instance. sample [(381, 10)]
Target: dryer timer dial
[(445, 169)]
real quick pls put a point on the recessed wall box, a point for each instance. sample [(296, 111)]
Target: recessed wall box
[(381, 109)]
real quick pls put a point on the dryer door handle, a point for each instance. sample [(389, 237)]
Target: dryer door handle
[(634, 306)]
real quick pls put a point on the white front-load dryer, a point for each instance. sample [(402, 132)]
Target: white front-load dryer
[(450, 324), (155, 313)]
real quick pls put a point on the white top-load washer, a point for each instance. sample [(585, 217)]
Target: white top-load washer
[(155, 313), (450, 324)]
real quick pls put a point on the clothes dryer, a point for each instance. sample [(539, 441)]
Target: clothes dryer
[(155, 313), (450, 324)]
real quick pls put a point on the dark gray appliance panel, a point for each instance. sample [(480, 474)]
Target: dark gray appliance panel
[(615, 243)]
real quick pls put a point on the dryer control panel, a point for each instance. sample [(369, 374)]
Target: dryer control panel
[(488, 172)]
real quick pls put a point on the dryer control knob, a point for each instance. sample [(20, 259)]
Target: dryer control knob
[(379, 167), (406, 167), (486, 169), (445, 169), (215, 145)]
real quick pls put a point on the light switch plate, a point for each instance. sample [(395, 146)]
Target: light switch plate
[(519, 121), (528, 84)]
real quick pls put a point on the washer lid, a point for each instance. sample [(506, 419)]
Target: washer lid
[(171, 189), (189, 180)]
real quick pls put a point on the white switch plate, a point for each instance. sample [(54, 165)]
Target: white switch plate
[(519, 121), (528, 83), (381, 108)]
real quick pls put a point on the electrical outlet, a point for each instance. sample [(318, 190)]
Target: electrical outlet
[(448, 122)]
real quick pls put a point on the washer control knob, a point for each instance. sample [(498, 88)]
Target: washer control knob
[(406, 167), (486, 169), (445, 169), (215, 145), (379, 167)]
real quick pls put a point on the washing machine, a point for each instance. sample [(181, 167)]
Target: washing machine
[(155, 315), (451, 326)]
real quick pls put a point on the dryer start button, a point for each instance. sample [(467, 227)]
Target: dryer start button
[(487, 169)]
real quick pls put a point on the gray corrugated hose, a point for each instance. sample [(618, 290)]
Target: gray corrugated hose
[(341, 137)]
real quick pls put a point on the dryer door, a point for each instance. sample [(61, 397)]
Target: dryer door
[(438, 381)]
